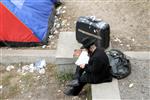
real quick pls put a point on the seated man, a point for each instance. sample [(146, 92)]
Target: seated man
[(96, 71)]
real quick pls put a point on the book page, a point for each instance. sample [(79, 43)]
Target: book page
[(83, 58)]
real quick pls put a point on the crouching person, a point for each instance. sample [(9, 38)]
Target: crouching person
[(96, 71)]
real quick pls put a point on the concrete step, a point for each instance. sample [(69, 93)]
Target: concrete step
[(26, 56), (64, 55), (106, 91)]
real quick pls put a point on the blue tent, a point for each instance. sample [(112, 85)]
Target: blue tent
[(32, 16)]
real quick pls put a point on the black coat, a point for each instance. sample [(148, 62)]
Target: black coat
[(98, 68)]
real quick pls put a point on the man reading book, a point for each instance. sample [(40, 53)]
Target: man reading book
[(97, 70)]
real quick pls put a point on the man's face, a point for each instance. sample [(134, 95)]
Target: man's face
[(90, 49)]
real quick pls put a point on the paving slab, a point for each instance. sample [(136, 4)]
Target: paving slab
[(66, 45), (140, 55)]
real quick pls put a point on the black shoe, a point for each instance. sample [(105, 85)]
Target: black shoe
[(73, 83), (69, 91)]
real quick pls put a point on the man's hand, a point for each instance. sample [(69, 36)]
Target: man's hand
[(77, 52), (82, 66)]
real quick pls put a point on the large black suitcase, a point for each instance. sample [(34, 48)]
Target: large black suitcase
[(90, 27)]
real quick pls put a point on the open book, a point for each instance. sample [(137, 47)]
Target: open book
[(83, 58)]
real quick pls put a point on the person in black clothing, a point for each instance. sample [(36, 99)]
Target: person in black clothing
[(96, 71)]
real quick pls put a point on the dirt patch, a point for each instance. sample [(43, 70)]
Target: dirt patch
[(33, 86), (128, 19)]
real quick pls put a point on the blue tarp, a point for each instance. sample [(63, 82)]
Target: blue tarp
[(33, 13)]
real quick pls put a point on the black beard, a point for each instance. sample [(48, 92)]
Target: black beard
[(89, 52)]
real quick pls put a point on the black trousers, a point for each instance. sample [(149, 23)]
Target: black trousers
[(79, 75)]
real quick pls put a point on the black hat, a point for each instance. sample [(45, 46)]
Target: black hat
[(87, 42)]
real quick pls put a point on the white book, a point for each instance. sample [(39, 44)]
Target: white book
[(83, 58)]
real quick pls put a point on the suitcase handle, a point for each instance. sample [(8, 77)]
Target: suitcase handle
[(93, 19), (90, 34)]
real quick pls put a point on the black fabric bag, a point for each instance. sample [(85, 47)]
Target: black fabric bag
[(120, 65), (90, 27)]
